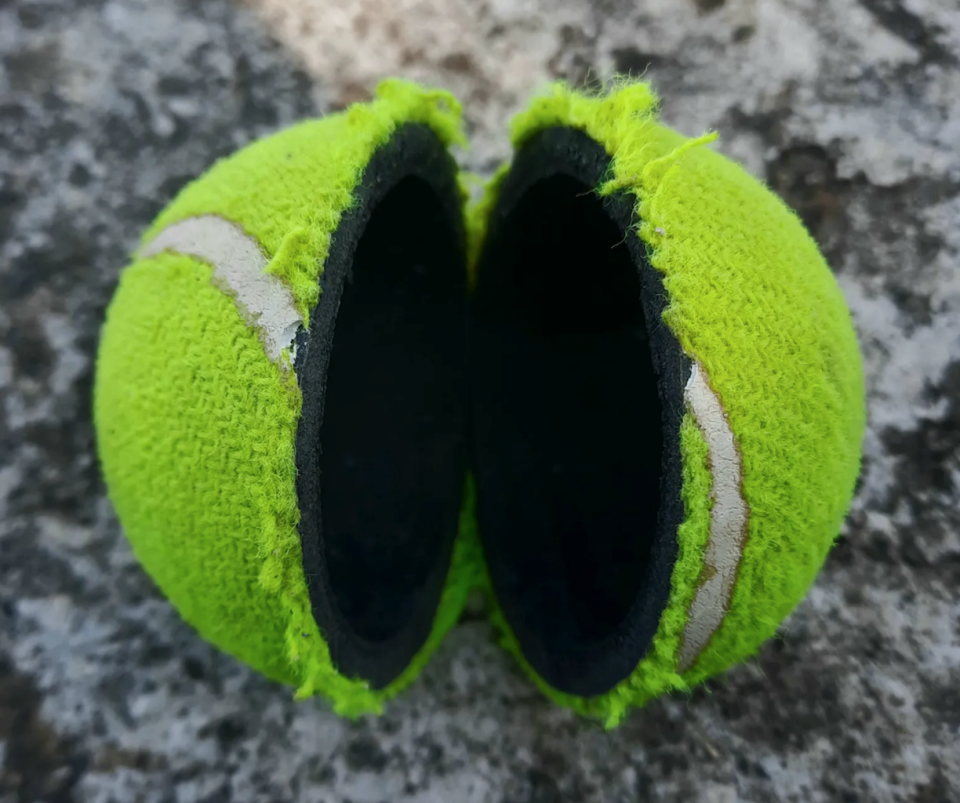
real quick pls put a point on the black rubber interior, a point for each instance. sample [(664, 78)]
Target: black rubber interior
[(566, 406), (576, 405), (381, 448)]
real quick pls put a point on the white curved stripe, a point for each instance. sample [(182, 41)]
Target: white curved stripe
[(728, 520), (238, 266)]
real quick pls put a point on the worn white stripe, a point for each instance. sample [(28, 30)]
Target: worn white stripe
[(238, 266), (728, 520)]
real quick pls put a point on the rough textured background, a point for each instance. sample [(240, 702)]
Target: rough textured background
[(849, 109)]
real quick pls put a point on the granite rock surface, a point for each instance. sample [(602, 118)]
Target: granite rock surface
[(848, 109)]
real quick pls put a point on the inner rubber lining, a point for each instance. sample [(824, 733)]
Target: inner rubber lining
[(576, 408), (381, 446)]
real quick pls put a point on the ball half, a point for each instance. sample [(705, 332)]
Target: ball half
[(280, 399), (668, 403)]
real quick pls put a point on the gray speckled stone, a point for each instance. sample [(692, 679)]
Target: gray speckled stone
[(848, 109)]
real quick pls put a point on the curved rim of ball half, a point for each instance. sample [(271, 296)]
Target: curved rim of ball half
[(614, 493), (381, 447), (349, 258)]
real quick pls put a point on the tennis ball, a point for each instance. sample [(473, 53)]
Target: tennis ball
[(622, 394), (668, 403), (280, 399)]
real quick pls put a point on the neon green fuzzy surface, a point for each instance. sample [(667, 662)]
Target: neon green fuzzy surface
[(750, 298), (196, 425)]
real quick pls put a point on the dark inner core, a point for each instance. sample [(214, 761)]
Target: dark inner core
[(382, 453), (568, 426)]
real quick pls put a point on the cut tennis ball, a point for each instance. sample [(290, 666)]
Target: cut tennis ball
[(622, 394)]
